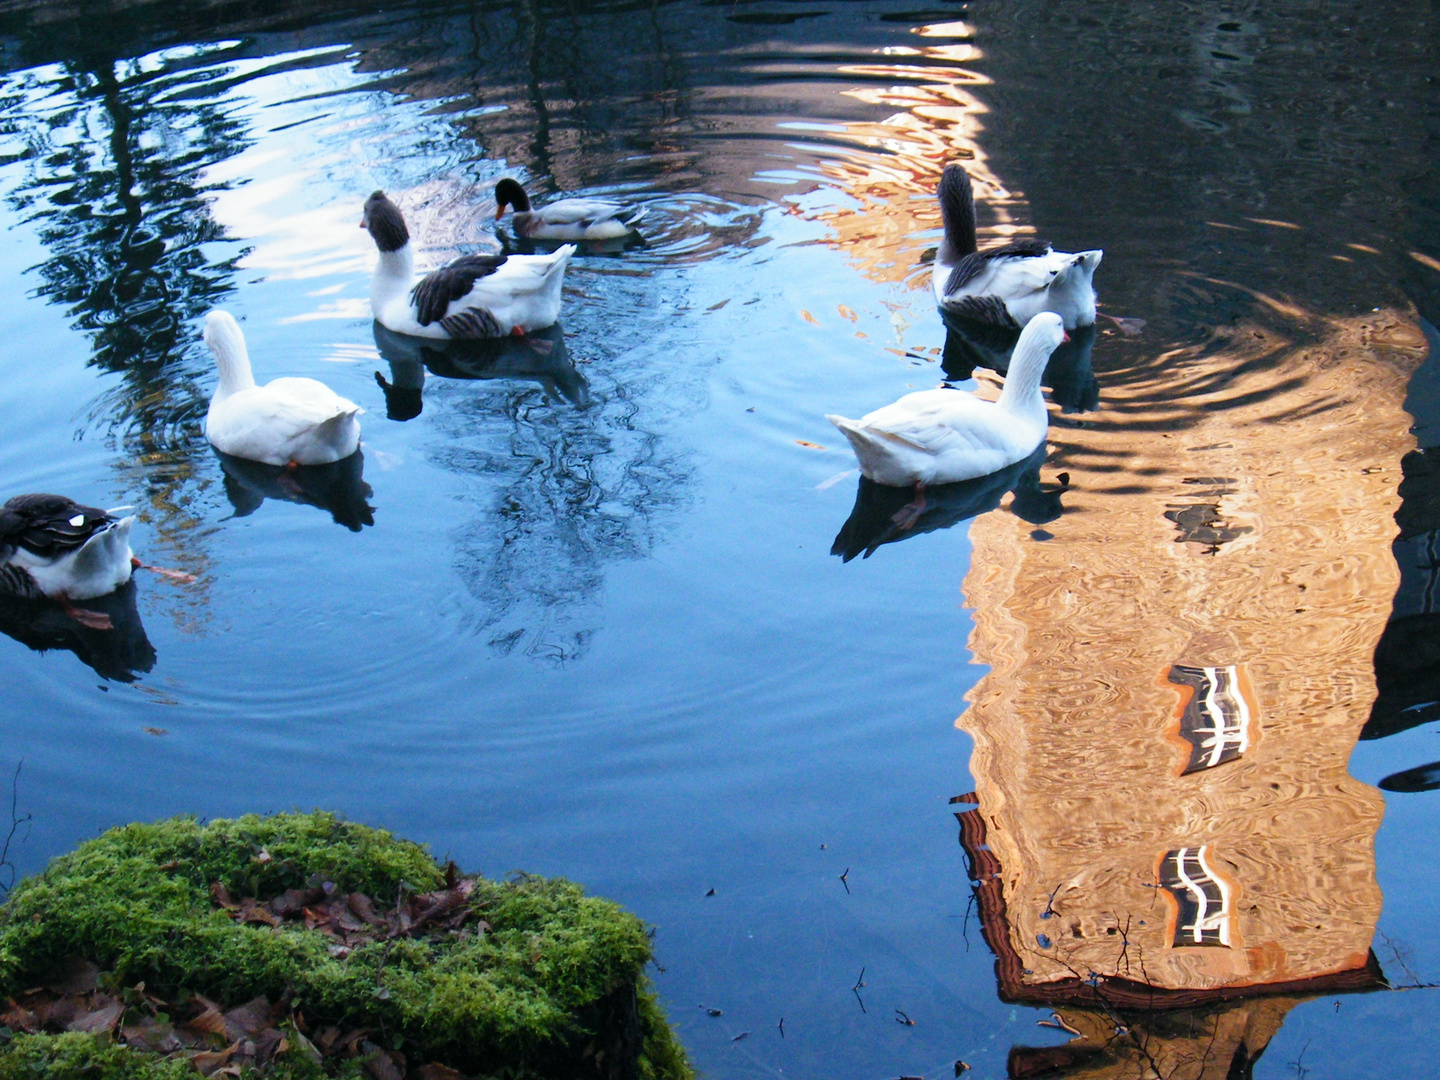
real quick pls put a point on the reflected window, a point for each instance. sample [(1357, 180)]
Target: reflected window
[(1216, 717), (1203, 897)]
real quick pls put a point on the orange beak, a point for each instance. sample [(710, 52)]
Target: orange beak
[(499, 211), (1064, 337)]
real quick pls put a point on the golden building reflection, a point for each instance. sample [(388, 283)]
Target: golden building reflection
[(892, 181), (1164, 819)]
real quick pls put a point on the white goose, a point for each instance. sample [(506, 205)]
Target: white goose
[(476, 296), (565, 219), (943, 436), (286, 421), (1009, 285)]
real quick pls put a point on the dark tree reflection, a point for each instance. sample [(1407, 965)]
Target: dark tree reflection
[(562, 493), (113, 183)]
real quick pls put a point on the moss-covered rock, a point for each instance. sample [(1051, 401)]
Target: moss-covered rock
[(524, 978)]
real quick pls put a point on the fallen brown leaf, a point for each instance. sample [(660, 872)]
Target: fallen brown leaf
[(846, 313), (436, 1071), (379, 1065), (18, 1018), (102, 1019), (251, 912), (209, 1062), (248, 1020), (809, 318), (221, 895), (810, 445), (58, 1013)]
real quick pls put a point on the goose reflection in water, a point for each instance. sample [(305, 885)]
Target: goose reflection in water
[(1072, 383), (540, 356), (338, 487), (118, 653), (879, 516)]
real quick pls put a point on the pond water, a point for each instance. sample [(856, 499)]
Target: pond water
[(575, 610)]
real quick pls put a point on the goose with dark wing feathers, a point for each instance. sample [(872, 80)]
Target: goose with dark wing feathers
[(51, 546), (565, 219), (1009, 285), (476, 296)]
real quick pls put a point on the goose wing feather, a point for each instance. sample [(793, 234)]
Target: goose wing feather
[(436, 291), (45, 525), (975, 263), (579, 211)]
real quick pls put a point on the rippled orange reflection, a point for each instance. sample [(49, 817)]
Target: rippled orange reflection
[(892, 178), (1179, 676)]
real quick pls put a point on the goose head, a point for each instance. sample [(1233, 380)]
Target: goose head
[(386, 225), (957, 210), (508, 192)]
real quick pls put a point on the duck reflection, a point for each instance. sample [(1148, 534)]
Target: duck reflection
[(540, 357), (118, 653), (338, 487), (1072, 383), (878, 516)]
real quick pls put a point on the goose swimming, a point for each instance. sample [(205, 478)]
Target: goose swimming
[(476, 296), (944, 436), (1008, 285), (285, 422)]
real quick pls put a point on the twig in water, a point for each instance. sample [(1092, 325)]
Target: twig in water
[(856, 991), (1395, 954), (7, 868), (1300, 1070), (843, 876), (1050, 904), (903, 1019), (782, 1027)]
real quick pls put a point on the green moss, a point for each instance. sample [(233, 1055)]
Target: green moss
[(74, 1056), (525, 999)]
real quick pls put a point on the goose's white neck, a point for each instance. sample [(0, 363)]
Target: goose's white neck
[(231, 358), (392, 277), (1021, 392)]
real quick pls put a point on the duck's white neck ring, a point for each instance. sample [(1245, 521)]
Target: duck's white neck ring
[(392, 276)]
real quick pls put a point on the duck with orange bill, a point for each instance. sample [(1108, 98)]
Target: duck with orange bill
[(565, 219)]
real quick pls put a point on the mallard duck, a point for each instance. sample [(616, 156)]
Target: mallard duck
[(565, 219), (944, 436), (54, 547), (286, 421), (476, 296), (1008, 285)]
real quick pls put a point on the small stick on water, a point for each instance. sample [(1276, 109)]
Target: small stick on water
[(844, 882), (903, 1019), (782, 1027)]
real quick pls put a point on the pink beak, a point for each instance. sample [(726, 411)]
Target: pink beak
[(1064, 337)]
